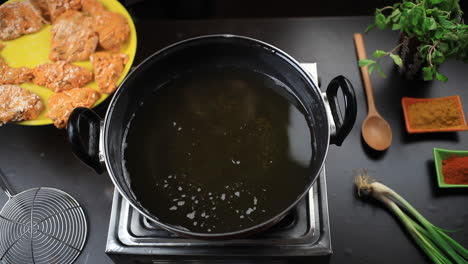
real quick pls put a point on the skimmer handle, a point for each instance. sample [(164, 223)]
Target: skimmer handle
[(6, 187)]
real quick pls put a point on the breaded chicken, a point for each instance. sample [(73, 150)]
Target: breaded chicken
[(18, 104), (62, 104), (59, 7), (10, 75), (61, 76), (73, 38), (113, 30), (52, 9), (107, 70), (92, 7), (18, 19), (43, 8)]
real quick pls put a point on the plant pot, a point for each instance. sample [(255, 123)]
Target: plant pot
[(412, 61)]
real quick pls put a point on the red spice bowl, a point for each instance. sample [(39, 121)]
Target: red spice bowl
[(443, 114), (451, 167)]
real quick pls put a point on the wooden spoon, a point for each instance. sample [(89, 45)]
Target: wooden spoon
[(375, 130)]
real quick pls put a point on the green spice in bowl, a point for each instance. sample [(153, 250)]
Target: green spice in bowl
[(451, 167)]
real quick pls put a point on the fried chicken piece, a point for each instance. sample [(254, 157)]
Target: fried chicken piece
[(73, 38), (62, 104), (52, 9), (61, 76), (113, 30), (107, 70), (92, 7), (18, 104), (19, 18), (58, 7), (43, 7), (10, 75)]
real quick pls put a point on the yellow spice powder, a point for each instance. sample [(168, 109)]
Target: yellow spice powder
[(434, 114)]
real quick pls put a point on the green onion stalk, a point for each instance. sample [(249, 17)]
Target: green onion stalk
[(434, 241)]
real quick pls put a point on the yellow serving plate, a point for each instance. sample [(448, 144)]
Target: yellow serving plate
[(33, 50)]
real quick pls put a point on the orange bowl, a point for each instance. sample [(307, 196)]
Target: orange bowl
[(407, 102)]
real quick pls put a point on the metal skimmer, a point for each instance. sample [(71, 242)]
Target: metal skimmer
[(40, 225)]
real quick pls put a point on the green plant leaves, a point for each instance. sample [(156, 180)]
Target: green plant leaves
[(379, 70), (396, 27), (441, 77), (443, 47), (438, 34), (450, 36), (418, 16), (379, 53), (430, 24), (424, 50), (447, 24), (366, 62), (450, 6), (435, 24), (380, 21), (395, 16), (437, 57), (409, 5), (398, 61), (369, 28), (428, 73), (371, 68)]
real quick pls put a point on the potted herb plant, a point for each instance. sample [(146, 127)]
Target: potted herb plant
[(431, 31)]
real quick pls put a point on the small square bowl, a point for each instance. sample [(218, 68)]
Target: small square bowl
[(439, 156), (407, 101)]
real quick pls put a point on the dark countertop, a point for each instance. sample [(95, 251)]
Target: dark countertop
[(362, 232)]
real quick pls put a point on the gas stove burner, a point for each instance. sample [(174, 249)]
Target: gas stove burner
[(303, 233)]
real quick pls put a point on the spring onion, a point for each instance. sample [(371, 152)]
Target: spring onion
[(434, 241)]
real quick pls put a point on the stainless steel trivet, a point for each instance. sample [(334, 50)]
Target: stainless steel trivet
[(40, 225)]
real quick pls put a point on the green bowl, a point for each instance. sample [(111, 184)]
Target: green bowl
[(441, 154)]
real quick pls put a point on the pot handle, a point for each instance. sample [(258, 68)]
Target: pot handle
[(345, 123), (88, 154)]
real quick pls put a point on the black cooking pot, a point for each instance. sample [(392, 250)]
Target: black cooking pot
[(105, 138)]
